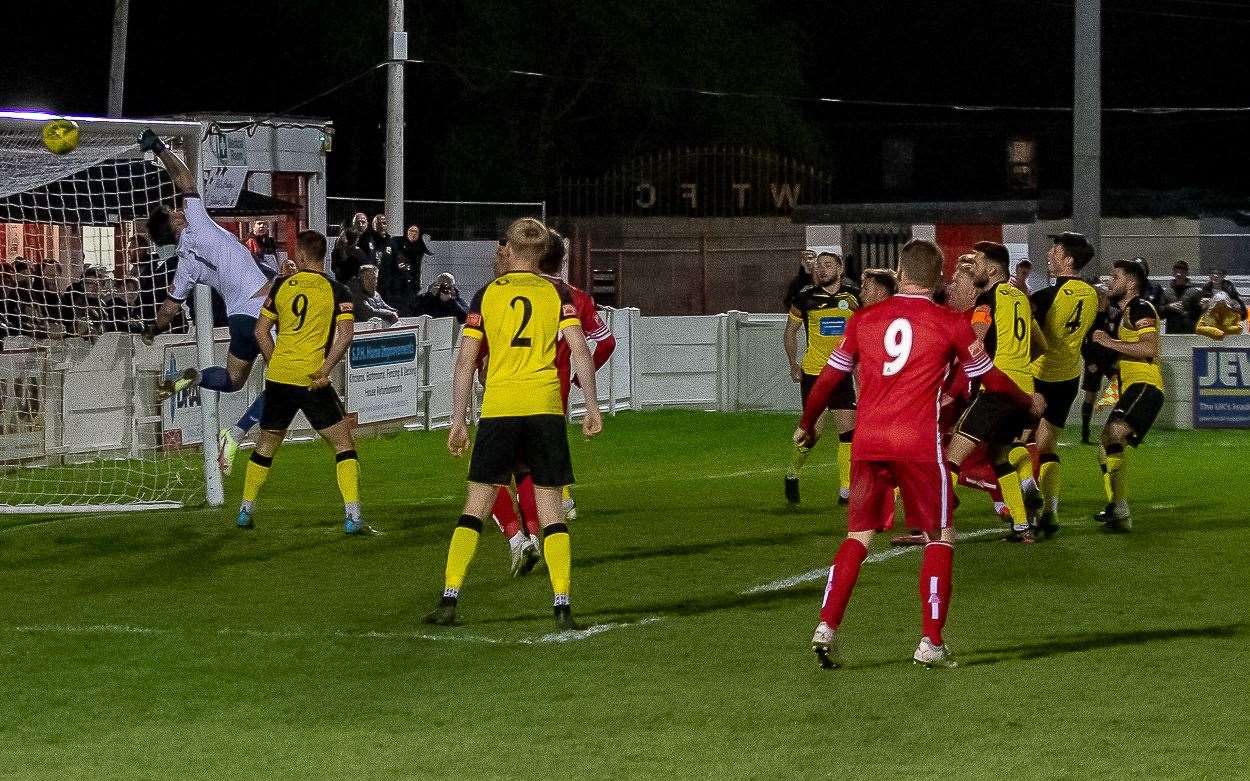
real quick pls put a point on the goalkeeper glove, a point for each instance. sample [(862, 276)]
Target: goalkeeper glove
[(150, 142)]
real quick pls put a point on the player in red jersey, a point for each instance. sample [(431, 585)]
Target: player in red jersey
[(525, 550), (904, 347)]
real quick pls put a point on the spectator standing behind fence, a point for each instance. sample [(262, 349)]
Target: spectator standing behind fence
[(125, 310), (442, 300), (1153, 292), (401, 270), (38, 305), (348, 256), (376, 241), (367, 301), (1221, 317), (1215, 285), (263, 247), (802, 279), (1021, 280), (1180, 309)]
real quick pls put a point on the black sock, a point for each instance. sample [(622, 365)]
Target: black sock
[(1087, 412)]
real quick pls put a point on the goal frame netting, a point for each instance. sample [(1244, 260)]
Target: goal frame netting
[(186, 138)]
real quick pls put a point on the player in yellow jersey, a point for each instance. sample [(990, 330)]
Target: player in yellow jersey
[(312, 315), (1141, 387), (519, 316), (1065, 311), (1002, 319), (822, 310)]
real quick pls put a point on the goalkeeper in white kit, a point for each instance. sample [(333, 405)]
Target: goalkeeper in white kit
[(210, 254)]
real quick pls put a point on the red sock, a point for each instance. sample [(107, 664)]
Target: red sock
[(935, 589), (529, 504), (842, 577), (505, 513)]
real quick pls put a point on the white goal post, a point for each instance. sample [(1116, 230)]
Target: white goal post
[(78, 281)]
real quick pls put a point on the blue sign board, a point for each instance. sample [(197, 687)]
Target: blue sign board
[(382, 351), (1222, 387)]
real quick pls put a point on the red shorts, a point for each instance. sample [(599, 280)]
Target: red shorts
[(925, 488)]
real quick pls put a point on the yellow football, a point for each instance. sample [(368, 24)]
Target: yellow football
[(60, 136)]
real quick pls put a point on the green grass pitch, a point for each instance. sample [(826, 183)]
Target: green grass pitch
[(170, 645)]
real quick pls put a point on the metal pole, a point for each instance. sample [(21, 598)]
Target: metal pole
[(395, 119), (202, 316), (117, 70), (1087, 122)]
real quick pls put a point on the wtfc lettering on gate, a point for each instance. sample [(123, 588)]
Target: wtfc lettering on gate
[(784, 195), (717, 181), (1221, 387)]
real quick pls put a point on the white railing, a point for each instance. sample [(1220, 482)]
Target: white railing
[(726, 362)]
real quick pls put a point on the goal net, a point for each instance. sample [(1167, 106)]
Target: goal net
[(80, 428)]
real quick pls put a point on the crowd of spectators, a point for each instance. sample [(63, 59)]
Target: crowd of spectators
[(31, 305), (384, 273)]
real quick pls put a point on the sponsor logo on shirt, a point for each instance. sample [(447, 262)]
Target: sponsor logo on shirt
[(832, 326)]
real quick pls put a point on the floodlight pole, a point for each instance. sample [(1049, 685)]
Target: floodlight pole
[(117, 67), (1087, 122), (398, 48)]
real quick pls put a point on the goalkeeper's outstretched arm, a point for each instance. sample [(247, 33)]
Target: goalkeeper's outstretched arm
[(184, 180)]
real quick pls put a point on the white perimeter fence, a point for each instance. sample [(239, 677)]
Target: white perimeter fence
[(400, 377)]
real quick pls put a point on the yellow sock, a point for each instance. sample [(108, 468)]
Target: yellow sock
[(844, 460), (347, 470), (1115, 476), (1048, 480), (1013, 495), (460, 553), (257, 472), (1020, 459), (566, 493), (558, 555), (797, 460), (1106, 485)]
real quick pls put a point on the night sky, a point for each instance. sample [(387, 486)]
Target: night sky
[(473, 133)]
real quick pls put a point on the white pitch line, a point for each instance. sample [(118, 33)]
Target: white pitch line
[(565, 636), (885, 555), (91, 629), (573, 635)]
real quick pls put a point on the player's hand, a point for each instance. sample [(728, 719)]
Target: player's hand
[(796, 373), (1102, 338), (592, 424), (1038, 406), (320, 378), (149, 334), (458, 439), (150, 142), (804, 438)]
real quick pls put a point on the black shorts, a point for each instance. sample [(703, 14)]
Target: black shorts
[(282, 401), (538, 443), (843, 396), (1059, 397), (993, 419), (1138, 406), (243, 337)]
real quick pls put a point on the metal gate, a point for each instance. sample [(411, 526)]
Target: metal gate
[(875, 246)]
